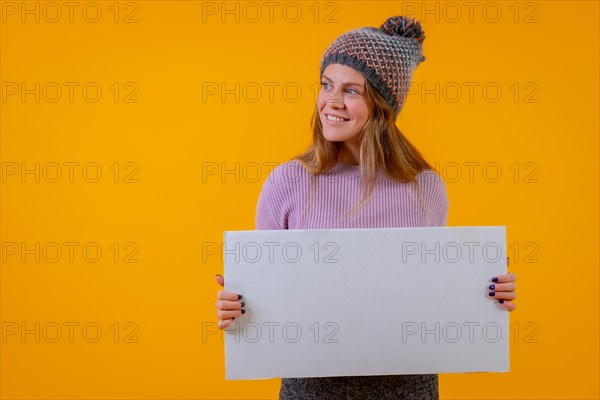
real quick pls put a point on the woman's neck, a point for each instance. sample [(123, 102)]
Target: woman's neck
[(348, 155)]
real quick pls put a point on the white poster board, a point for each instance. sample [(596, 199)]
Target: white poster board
[(348, 302)]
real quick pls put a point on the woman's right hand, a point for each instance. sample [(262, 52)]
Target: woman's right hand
[(228, 306)]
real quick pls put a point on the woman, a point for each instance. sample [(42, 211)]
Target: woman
[(357, 148)]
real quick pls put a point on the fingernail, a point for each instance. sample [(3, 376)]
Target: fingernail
[(495, 280), (492, 294), (239, 296), (220, 275), (243, 311), (243, 304), (501, 301), (492, 287)]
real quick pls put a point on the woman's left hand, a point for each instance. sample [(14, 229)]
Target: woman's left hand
[(502, 289)]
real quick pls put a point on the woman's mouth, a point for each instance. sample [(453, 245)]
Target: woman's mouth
[(333, 118)]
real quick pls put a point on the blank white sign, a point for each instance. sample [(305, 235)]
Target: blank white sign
[(348, 302)]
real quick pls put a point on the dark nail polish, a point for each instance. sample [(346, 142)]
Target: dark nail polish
[(492, 287), (243, 304), (492, 294), (500, 301), (243, 311), (495, 280), (239, 296)]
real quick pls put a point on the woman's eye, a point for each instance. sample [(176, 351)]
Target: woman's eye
[(327, 86)]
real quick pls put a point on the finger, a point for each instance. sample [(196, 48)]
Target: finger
[(220, 280), (224, 324), (508, 277), (507, 305), (225, 314), (502, 295), (503, 287), (229, 305), (227, 295)]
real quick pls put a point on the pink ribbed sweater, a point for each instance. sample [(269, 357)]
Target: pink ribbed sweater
[(286, 192)]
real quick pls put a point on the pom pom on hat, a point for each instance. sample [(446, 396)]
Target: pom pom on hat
[(403, 26)]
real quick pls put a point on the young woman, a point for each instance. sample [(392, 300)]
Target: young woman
[(359, 172)]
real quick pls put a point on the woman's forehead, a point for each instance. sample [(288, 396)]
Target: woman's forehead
[(343, 74)]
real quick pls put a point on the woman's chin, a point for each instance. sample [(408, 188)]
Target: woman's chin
[(334, 138)]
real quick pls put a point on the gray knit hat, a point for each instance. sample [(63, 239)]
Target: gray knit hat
[(387, 56)]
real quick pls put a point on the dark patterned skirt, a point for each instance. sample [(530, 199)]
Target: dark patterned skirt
[(376, 387)]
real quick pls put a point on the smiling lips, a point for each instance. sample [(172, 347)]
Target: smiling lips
[(334, 118)]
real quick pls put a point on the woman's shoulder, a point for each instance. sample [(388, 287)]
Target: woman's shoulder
[(278, 195), (286, 176), (288, 173), (432, 184), (430, 176)]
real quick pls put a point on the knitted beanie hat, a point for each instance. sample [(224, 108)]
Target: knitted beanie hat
[(386, 56)]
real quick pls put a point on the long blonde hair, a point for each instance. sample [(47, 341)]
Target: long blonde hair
[(383, 148)]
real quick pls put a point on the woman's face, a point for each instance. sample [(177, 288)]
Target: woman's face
[(342, 104)]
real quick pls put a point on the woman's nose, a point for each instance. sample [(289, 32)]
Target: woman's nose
[(332, 99)]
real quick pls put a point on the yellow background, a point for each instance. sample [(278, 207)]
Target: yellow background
[(549, 50)]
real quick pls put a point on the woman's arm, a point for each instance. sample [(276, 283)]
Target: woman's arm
[(502, 287), (229, 305)]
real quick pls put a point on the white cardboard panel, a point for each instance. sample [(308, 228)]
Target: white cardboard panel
[(348, 302)]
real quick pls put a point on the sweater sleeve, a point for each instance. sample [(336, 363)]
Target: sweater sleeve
[(265, 219), (274, 201)]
